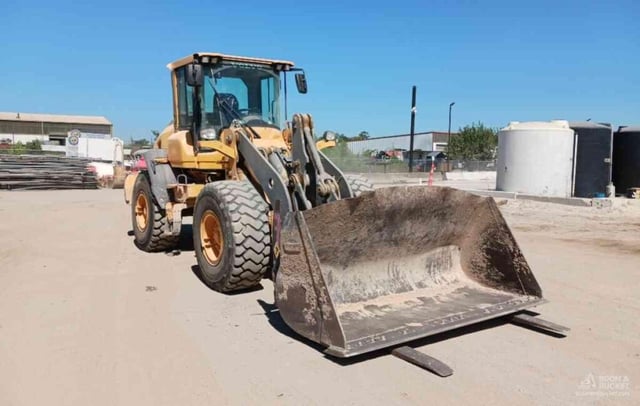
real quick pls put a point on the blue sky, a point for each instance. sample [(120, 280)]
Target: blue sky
[(498, 60)]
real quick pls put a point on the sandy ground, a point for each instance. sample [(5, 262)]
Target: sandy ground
[(87, 319)]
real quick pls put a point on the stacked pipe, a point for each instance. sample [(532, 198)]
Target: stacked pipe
[(29, 172)]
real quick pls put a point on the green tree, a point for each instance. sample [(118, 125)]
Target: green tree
[(340, 137), (140, 143), (475, 141), (136, 144), (362, 135)]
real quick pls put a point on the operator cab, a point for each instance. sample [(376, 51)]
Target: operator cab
[(212, 90)]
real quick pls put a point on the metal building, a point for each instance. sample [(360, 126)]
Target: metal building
[(50, 129), (424, 141)]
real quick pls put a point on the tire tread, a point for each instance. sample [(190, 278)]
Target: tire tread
[(158, 241), (251, 234)]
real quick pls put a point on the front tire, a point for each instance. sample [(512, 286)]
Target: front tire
[(231, 236)]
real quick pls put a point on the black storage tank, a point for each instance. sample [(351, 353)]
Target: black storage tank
[(593, 158), (626, 158)]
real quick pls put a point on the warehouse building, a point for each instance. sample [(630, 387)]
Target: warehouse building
[(424, 141), (50, 129)]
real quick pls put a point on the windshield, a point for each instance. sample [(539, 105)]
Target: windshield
[(250, 93)]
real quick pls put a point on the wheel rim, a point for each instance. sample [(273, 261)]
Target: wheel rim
[(142, 212), (211, 240)]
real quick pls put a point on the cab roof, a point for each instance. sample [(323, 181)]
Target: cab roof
[(286, 65)]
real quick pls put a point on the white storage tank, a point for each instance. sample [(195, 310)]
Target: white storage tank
[(536, 158)]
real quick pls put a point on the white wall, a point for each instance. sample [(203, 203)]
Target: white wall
[(110, 149), (54, 148), (420, 141)]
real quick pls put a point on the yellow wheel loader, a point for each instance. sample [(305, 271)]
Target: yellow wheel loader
[(354, 269)]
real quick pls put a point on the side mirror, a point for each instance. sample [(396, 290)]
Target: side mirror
[(301, 83), (329, 136), (195, 76)]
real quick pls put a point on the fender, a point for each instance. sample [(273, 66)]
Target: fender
[(160, 175), (129, 182)]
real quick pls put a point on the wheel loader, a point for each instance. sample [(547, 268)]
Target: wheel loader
[(354, 269)]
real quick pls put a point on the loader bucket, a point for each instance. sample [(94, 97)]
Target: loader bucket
[(398, 264)]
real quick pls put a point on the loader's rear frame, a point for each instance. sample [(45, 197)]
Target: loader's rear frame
[(260, 172)]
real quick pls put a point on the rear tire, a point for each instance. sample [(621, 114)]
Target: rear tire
[(359, 184), (231, 236), (149, 222)]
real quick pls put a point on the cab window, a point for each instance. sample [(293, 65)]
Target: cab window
[(185, 100)]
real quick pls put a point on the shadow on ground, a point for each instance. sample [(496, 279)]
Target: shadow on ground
[(186, 238), (273, 316), (198, 273), (185, 243)]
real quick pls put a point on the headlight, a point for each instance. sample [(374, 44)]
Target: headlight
[(329, 136), (208, 134)]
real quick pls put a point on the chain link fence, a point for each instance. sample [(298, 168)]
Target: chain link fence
[(352, 164), (472, 165), (370, 165)]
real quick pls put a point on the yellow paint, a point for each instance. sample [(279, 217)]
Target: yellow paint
[(211, 238), (142, 212), (322, 144), (129, 182), (180, 154), (164, 136), (269, 138), (193, 190)]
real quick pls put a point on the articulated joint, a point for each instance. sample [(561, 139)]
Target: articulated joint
[(174, 215), (328, 187)]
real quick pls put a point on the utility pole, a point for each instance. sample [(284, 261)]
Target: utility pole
[(413, 127), (449, 132)]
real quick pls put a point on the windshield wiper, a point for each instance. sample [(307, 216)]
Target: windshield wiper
[(231, 112)]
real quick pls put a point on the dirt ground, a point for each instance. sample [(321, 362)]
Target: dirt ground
[(88, 319)]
